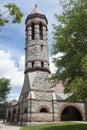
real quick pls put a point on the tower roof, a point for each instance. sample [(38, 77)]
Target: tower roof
[(36, 10), (36, 13)]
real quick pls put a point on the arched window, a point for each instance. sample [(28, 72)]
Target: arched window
[(42, 64), (44, 110), (41, 31), (33, 31)]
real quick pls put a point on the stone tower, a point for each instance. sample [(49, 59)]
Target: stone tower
[(36, 96), (37, 103)]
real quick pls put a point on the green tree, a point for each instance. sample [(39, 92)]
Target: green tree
[(70, 38), (12, 13), (3, 107), (4, 88)]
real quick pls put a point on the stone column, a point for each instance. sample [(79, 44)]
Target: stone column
[(29, 33), (44, 33), (36, 31)]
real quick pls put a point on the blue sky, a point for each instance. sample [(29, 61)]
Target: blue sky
[(12, 48)]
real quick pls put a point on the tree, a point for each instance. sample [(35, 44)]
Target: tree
[(3, 107), (4, 88), (11, 14), (70, 38)]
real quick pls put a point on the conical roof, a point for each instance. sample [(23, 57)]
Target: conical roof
[(36, 10), (36, 13)]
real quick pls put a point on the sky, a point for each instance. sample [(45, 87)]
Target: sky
[(12, 46)]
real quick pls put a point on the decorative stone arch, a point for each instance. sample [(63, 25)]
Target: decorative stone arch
[(77, 107), (43, 109)]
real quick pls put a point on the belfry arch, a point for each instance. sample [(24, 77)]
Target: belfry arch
[(71, 112)]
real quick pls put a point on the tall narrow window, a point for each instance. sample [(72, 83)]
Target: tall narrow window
[(41, 48), (32, 64), (33, 31), (42, 64), (25, 109), (41, 30)]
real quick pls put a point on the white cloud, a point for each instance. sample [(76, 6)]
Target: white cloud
[(12, 96), (9, 69), (21, 62)]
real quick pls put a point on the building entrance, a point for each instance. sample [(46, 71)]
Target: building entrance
[(71, 113)]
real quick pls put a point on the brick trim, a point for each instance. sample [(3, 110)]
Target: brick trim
[(37, 69), (36, 100), (36, 15)]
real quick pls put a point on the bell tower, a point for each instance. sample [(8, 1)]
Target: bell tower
[(36, 88), (37, 58)]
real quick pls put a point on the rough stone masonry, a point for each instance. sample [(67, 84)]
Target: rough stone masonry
[(37, 101)]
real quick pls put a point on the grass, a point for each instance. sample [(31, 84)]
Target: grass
[(57, 126)]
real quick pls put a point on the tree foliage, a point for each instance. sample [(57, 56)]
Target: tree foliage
[(70, 38), (12, 13), (3, 107), (4, 88)]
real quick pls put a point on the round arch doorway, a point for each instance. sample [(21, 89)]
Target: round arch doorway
[(71, 113)]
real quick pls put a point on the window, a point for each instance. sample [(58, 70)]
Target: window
[(41, 48), (44, 110), (33, 31), (41, 31), (42, 64), (25, 110), (32, 64)]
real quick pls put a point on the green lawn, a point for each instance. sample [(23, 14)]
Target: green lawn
[(57, 126)]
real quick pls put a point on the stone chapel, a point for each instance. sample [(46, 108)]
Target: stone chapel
[(38, 102)]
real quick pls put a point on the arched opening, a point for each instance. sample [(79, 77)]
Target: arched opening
[(41, 48), (41, 30), (9, 116), (32, 64), (25, 110), (42, 64), (71, 113), (33, 31), (14, 115), (43, 110)]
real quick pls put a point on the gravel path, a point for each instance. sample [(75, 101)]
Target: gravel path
[(8, 127)]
